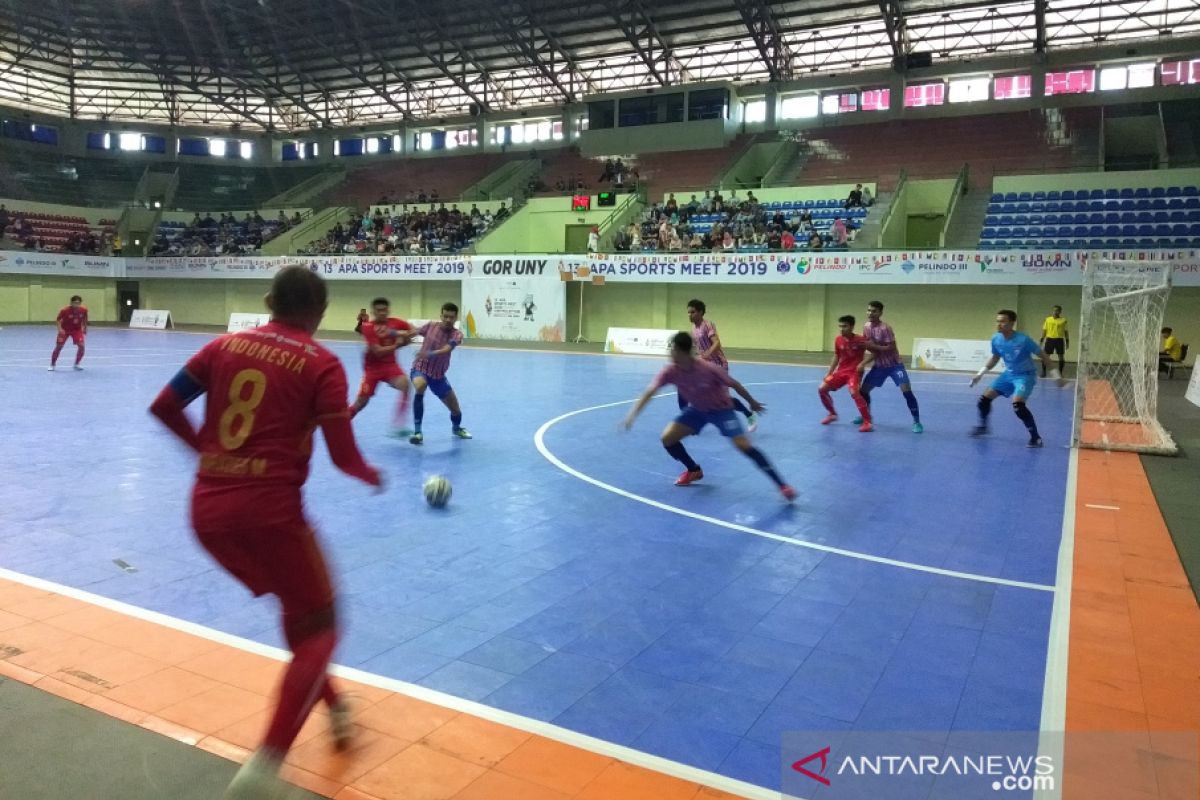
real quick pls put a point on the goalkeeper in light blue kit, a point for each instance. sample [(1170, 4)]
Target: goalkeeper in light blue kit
[(1019, 376)]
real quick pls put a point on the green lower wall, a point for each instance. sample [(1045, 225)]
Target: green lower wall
[(769, 317)]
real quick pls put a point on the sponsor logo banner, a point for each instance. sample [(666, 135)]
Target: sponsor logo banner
[(644, 341)]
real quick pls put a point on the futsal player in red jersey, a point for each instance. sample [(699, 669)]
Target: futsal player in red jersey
[(267, 389), (847, 370), (72, 324), (384, 335)]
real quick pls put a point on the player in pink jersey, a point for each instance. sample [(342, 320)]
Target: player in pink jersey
[(708, 345), (850, 349), (429, 371), (881, 341), (706, 388)]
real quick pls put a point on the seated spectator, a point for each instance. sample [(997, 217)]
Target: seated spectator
[(867, 199), (815, 242), (672, 205), (3, 219), (1171, 349), (839, 236), (805, 218), (777, 219), (196, 221), (775, 240), (727, 242), (501, 213), (593, 243), (855, 200), (296, 219), (788, 240)]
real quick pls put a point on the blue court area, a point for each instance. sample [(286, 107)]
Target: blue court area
[(908, 588)]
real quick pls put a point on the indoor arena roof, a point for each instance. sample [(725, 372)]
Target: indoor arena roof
[(293, 64)]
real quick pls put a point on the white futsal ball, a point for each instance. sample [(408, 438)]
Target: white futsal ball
[(437, 491)]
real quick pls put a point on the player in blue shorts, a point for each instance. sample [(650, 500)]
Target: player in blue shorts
[(881, 341), (1019, 377), (706, 387)]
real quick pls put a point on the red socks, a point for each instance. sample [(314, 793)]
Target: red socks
[(303, 683)]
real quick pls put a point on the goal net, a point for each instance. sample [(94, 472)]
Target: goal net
[(1116, 391)]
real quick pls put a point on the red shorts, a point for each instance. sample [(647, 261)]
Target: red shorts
[(283, 559), (74, 336), (843, 378), (375, 374)]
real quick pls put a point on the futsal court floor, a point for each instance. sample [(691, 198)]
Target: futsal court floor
[(569, 588)]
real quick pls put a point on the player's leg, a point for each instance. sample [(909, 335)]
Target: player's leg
[(1001, 386), (446, 394), (874, 378), (1062, 357), (686, 424), (58, 346), (900, 377), (419, 384), (399, 382), (366, 390), (1024, 388), (864, 408), (742, 442), (831, 384), (78, 338)]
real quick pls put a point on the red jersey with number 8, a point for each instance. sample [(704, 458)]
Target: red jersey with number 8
[(267, 389)]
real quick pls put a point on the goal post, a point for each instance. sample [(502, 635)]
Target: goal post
[(1116, 390)]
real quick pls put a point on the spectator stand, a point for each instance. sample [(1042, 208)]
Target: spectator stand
[(419, 228), (1123, 211), (755, 220), (205, 233), (51, 227)]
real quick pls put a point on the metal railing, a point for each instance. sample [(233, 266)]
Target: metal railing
[(887, 218), (960, 188)]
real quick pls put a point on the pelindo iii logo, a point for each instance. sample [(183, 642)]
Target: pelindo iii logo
[(802, 267)]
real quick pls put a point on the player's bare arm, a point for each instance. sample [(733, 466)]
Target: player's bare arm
[(755, 406), (993, 361), (627, 423)]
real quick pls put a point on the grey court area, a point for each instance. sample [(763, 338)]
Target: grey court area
[(53, 749), (1174, 480)]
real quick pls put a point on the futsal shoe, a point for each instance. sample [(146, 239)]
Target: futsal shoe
[(1036, 441), (417, 438), (788, 492), (258, 779), (979, 430), (829, 419), (752, 422), (78, 368), (866, 427), (402, 433), (918, 427), (689, 476), (856, 421), (462, 433), (49, 369)]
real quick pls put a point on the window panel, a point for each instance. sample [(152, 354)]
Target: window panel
[(754, 111), (1013, 87), (924, 94), (969, 90), (876, 99), (805, 106), (1076, 81)]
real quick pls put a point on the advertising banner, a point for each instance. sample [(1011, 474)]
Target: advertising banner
[(643, 341), (1193, 390), (951, 354), (151, 319), (524, 300), (22, 262), (240, 322)]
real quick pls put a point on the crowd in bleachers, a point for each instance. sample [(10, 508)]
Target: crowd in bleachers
[(1088, 218), (717, 223), (226, 235), (56, 233), (400, 229)]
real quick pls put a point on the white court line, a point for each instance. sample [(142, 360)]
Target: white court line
[(540, 443), (1054, 687), (527, 724), (1105, 508)]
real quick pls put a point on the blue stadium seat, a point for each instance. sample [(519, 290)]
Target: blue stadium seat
[(1004, 233), (1038, 206), (1068, 194), (1098, 194), (1055, 207), (1159, 216), (1174, 191), (1111, 231), (1176, 202), (1182, 242), (1021, 219), (1079, 232), (1095, 218), (1039, 196), (1191, 191), (1009, 208), (1053, 195), (1144, 216), (1139, 193), (1112, 194), (1112, 242), (1162, 230), (1192, 215), (1142, 205), (1095, 231), (1128, 217), (1125, 193), (1038, 219), (1191, 202), (1158, 203), (1193, 229), (997, 198), (1145, 230), (1025, 197), (1129, 230), (1158, 191), (991, 220), (1047, 244), (1095, 243), (1019, 233), (1010, 197), (1064, 232), (988, 233)]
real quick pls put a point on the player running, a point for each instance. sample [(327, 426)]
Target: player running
[(704, 334), (268, 388), (72, 322), (1019, 376), (850, 357), (429, 370), (881, 341), (706, 388), (384, 335)]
